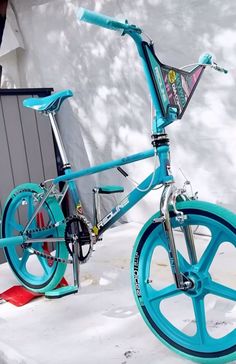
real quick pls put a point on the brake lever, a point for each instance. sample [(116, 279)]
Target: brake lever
[(206, 59), (217, 68)]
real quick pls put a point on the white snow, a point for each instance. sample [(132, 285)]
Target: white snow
[(100, 324)]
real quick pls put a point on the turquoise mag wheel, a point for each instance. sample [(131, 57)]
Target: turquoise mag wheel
[(200, 323), (34, 272)]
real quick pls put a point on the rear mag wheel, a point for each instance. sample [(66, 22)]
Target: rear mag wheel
[(34, 272)]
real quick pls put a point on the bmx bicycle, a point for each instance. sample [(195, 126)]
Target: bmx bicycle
[(180, 218)]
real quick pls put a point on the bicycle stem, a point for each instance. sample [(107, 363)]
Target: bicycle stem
[(158, 120)]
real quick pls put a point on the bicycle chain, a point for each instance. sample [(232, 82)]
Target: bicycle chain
[(49, 227), (49, 257)]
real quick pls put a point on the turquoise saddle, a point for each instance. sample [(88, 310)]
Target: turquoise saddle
[(48, 104)]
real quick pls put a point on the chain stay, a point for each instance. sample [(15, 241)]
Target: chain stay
[(49, 227), (49, 257)]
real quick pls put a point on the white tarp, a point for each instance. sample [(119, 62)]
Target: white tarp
[(12, 40)]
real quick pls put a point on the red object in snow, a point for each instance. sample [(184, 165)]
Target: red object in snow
[(20, 296)]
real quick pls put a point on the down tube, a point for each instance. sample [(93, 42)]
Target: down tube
[(129, 201)]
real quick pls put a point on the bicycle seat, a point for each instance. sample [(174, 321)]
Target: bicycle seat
[(48, 104)]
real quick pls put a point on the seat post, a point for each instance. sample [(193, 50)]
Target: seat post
[(58, 139)]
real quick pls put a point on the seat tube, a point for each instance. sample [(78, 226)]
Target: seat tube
[(73, 190), (59, 141), (65, 162)]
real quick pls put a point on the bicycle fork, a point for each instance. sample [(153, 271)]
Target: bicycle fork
[(168, 198)]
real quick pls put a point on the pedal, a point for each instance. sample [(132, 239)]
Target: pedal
[(107, 190), (61, 292)]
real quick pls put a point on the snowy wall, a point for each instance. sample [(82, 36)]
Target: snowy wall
[(109, 116)]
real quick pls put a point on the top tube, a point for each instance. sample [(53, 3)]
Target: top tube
[(104, 166)]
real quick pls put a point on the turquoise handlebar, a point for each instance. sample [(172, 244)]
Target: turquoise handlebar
[(100, 19), (105, 21)]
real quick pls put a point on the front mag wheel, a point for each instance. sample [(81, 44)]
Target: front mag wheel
[(34, 271), (199, 323)]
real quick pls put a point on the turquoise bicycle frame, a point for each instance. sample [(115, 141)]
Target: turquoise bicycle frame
[(162, 175)]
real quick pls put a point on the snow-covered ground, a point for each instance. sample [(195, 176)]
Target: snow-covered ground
[(100, 324)]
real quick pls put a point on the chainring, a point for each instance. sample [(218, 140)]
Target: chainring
[(76, 224), (80, 227)]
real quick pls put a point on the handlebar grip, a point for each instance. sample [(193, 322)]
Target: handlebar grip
[(99, 19), (205, 58)]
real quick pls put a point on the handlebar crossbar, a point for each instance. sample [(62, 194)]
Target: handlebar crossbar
[(104, 21)]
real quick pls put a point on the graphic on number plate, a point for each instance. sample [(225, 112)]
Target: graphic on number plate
[(174, 86), (179, 85)]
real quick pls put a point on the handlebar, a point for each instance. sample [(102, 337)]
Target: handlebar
[(104, 21)]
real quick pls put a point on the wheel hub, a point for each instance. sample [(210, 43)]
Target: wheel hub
[(199, 282)]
